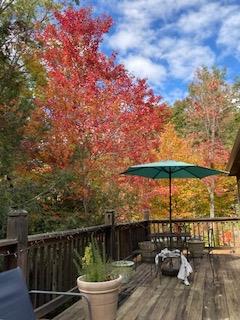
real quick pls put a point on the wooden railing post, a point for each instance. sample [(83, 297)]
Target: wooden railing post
[(146, 216), (17, 228), (110, 220)]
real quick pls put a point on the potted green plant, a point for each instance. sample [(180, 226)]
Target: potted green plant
[(98, 282)]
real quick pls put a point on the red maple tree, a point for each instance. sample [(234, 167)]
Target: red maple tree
[(91, 101), (91, 106)]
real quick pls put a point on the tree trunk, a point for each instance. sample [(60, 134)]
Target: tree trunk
[(212, 205), (211, 190)]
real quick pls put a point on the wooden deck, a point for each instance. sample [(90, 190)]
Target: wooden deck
[(148, 298)]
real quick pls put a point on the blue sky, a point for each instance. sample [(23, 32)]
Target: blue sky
[(165, 41)]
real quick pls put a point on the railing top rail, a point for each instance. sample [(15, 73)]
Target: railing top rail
[(133, 223), (73, 232), (66, 233), (217, 219), (7, 242)]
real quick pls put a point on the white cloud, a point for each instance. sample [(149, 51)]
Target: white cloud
[(140, 39), (124, 40), (204, 21), (229, 34), (143, 67), (149, 10), (141, 21), (130, 37), (165, 40), (184, 56)]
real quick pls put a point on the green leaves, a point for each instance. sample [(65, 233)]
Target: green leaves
[(93, 265)]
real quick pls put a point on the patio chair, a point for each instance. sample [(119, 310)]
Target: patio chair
[(15, 303), (196, 249)]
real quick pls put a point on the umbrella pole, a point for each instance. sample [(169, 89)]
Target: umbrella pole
[(170, 208), (170, 201)]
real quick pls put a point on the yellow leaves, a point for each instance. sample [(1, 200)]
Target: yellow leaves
[(88, 256), (189, 196), (35, 68), (174, 147), (43, 169)]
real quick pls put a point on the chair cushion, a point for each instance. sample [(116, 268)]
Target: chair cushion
[(15, 303), (171, 266)]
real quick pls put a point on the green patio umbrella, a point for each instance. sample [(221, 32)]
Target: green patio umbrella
[(170, 169)]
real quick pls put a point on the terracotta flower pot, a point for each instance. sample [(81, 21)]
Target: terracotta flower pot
[(103, 297)]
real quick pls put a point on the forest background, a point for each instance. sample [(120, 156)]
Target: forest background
[(72, 119)]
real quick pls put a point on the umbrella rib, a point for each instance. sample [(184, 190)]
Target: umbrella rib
[(162, 169), (180, 169), (186, 168), (136, 169)]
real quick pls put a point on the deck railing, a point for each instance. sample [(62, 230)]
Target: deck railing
[(47, 259), (216, 232)]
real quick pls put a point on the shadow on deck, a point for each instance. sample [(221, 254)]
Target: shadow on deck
[(207, 297)]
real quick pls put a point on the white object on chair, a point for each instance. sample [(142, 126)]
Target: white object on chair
[(185, 270)]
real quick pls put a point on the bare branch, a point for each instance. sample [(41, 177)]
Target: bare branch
[(4, 8)]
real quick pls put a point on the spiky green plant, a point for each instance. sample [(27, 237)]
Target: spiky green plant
[(93, 265)]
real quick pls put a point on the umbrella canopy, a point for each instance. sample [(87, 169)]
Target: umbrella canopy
[(170, 169)]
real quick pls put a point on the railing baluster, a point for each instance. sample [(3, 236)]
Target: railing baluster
[(233, 234), (59, 264)]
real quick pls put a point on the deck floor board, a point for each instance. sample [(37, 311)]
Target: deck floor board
[(147, 297)]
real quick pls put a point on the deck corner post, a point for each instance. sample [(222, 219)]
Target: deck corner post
[(146, 214), (146, 219), (109, 217), (17, 228)]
